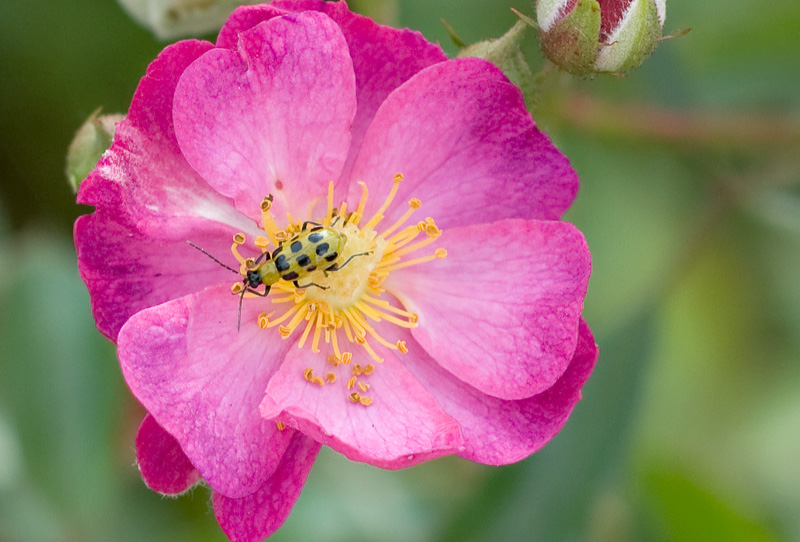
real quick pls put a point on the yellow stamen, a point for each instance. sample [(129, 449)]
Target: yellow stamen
[(269, 226), (329, 211), (359, 212), (317, 331), (281, 426), (378, 216), (349, 301), (438, 254), (400, 221)]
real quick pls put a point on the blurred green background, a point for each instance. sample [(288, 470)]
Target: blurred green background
[(690, 200)]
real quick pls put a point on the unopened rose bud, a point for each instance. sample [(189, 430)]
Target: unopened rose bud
[(90, 142), (585, 37)]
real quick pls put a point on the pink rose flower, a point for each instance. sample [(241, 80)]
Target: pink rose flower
[(455, 328)]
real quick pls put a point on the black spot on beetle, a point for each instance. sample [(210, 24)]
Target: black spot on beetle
[(315, 237), (281, 264), (290, 276), (312, 268), (331, 257), (303, 260), (297, 246), (322, 249)]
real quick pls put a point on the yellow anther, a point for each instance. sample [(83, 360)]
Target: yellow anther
[(440, 253), (401, 346), (355, 397), (357, 370), (239, 238), (266, 203), (351, 383), (363, 386), (318, 381), (333, 360), (261, 242), (263, 320), (250, 263), (281, 235), (284, 331), (308, 374), (369, 369), (346, 357), (330, 377), (236, 288), (281, 426), (414, 203), (364, 400), (398, 177)]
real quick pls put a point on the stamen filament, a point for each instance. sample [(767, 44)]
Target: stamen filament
[(290, 311), (329, 212), (413, 205), (269, 226), (439, 254), (317, 332), (378, 216), (416, 246), (388, 317), (306, 331), (359, 212), (384, 304)]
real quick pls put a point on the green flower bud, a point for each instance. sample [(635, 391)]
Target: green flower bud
[(586, 37), (90, 142)]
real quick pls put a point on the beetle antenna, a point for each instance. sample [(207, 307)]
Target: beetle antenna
[(241, 298), (229, 268)]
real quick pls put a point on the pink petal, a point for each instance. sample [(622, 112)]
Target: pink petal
[(501, 311), (499, 432), (203, 381), (144, 173), (383, 57), (260, 514), (469, 150), (127, 271), (272, 116), (132, 251), (164, 466), (402, 427)]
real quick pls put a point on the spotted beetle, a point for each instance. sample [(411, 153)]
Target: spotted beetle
[(315, 247)]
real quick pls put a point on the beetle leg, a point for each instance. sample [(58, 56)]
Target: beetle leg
[(336, 267), (297, 285), (254, 291)]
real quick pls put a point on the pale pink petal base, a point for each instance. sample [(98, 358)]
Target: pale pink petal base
[(402, 427), (498, 432), (162, 463), (257, 516), (501, 311), (203, 381)]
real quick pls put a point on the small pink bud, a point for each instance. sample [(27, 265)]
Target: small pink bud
[(586, 37)]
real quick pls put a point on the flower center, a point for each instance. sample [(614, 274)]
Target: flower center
[(337, 303)]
